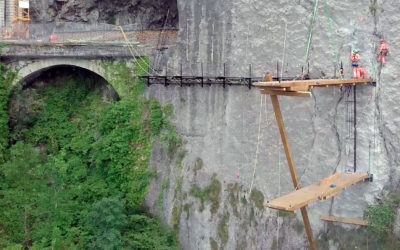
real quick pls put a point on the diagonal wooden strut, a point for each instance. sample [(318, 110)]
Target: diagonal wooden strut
[(292, 167)]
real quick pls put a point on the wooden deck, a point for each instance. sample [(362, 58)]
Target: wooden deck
[(344, 220), (325, 189), (302, 88)]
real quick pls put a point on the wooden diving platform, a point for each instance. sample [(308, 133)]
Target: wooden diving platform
[(325, 189), (344, 220), (302, 88)]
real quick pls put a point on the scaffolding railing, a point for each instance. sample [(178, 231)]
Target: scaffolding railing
[(73, 32)]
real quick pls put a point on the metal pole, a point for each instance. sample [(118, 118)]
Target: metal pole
[(250, 81), (181, 75), (202, 75), (224, 76)]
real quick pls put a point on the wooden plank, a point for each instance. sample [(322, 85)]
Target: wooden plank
[(344, 220), (323, 190), (292, 167), (285, 93), (316, 82)]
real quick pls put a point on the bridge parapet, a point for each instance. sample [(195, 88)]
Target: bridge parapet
[(83, 50)]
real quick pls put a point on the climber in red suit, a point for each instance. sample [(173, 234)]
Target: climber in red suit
[(355, 59), (383, 52)]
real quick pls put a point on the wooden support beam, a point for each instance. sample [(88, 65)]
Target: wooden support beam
[(293, 172), (285, 93), (344, 220)]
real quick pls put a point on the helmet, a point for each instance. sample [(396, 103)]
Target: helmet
[(381, 41), (355, 50)]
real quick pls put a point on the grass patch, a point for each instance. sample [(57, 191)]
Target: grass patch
[(210, 194)]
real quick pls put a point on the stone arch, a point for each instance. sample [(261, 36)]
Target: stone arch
[(31, 69)]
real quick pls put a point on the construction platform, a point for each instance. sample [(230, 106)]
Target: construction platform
[(344, 220), (325, 189), (302, 88)]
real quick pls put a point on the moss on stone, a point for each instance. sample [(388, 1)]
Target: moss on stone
[(186, 208), (223, 229), (234, 190), (210, 194), (198, 165), (277, 244), (298, 227), (242, 245), (286, 214), (176, 216), (258, 198), (213, 244), (164, 186)]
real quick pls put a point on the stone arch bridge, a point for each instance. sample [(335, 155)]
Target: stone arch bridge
[(31, 59)]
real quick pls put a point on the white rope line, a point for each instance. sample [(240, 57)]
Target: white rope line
[(132, 50), (284, 50), (258, 146)]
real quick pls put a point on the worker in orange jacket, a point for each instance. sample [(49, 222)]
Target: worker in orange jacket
[(355, 59), (383, 52)]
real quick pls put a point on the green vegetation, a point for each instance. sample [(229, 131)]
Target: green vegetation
[(186, 208), (223, 230), (258, 198), (286, 214), (213, 244), (74, 172), (164, 186), (277, 244), (177, 209), (379, 233), (234, 190), (6, 79), (373, 8), (209, 194)]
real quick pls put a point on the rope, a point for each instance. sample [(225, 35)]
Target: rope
[(332, 38), (258, 146), (311, 30), (284, 49), (131, 48)]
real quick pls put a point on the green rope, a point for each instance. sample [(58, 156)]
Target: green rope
[(332, 38), (311, 29)]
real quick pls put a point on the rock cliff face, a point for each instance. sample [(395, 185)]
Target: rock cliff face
[(198, 191), (149, 14), (232, 131)]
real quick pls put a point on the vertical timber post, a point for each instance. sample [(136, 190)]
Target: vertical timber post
[(292, 167), (355, 126)]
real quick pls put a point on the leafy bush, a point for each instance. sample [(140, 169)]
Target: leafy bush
[(76, 176)]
